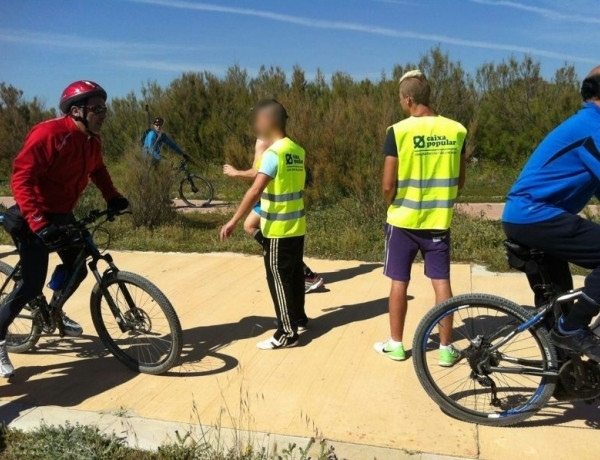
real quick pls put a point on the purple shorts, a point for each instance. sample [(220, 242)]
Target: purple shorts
[(402, 246)]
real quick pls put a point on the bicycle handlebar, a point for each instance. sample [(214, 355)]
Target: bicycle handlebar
[(96, 214), (73, 232)]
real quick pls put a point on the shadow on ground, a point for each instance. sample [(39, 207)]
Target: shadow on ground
[(64, 384), (342, 316), (349, 273), (201, 355)]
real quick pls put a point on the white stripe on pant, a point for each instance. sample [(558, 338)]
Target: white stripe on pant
[(285, 275)]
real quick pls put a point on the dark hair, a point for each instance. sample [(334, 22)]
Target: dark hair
[(590, 88), (275, 109)]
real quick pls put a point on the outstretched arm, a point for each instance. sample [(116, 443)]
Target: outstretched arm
[(248, 174), (172, 145), (250, 198)]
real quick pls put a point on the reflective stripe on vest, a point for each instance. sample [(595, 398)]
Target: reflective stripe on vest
[(427, 183), (444, 204), (282, 216), (282, 203), (284, 197), (429, 150)]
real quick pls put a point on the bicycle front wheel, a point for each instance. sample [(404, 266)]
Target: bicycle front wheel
[(149, 340), (24, 332), (196, 191), (504, 376)]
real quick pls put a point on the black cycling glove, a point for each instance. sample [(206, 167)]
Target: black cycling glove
[(52, 234), (119, 203)]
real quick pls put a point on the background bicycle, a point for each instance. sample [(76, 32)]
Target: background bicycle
[(133, 318), (195, 190)]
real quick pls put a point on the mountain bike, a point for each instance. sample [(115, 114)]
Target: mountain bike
[(133, 318), (509, 367), (196, 191)]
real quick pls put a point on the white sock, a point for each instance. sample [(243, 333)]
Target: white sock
[(394, 344), (446, 347)]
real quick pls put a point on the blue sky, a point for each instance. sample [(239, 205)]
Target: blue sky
[(122, 43)]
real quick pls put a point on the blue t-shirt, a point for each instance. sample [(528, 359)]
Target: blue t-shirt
[(269, 163), (563, 173)]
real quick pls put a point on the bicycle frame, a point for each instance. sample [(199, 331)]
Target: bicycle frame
[(89, 249), (544, 311)]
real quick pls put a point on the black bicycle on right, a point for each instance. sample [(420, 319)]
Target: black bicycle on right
[(195, 191), (509, 368)]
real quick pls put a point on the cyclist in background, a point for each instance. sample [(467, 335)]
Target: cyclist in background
[(50, 173), (156, 138), (542, 208), (312, 281)]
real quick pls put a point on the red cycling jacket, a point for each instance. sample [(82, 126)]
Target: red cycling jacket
[(53, 169)]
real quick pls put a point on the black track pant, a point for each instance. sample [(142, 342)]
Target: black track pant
[(34, 268), (285, 275), (567, 238)]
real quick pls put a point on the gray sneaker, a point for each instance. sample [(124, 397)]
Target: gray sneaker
[(71, 328), (6, 367)]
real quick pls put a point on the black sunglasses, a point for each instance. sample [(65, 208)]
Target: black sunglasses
[(97, 109)]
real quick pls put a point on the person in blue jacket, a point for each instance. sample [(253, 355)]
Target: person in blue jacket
[(156, 138), (542, 209)]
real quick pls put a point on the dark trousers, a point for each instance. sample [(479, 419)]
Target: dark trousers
[(567, 238), (285, 276), (34, 268)]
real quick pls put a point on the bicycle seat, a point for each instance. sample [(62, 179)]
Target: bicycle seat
[(523, 258)]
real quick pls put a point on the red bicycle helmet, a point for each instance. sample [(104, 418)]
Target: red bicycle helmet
[(79, 91)]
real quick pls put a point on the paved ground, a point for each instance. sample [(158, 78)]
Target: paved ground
[(333, 385)]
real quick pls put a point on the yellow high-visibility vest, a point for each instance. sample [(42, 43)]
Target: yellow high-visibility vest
[(429, 150), (282, 202)]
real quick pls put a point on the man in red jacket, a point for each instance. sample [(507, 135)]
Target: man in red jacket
[(50, 173)]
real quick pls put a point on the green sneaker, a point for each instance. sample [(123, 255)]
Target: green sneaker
[(384, 348), (449, 358)]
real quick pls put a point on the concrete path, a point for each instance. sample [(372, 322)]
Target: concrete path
[(334, 385)]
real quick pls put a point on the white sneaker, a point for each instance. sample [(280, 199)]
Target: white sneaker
[(273, 344), (6, 367)]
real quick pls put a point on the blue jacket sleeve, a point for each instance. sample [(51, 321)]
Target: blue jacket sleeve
[(171, 143)]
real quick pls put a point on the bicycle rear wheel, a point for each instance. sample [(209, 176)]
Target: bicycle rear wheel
[(152, 340), (489, 387), (196, 191), (24, 332)]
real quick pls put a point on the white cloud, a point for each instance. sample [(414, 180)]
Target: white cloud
[(544, 12), (51, 40), (363, 28)]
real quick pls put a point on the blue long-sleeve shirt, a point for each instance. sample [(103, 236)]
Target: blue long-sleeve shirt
[(563, 173), (154, 142)]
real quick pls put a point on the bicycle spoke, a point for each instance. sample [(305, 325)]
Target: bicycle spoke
[(148, 340), (462, 385)]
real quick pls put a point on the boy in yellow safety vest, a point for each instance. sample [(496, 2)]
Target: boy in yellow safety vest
[(423, 170), (312, 280), (279, 184)]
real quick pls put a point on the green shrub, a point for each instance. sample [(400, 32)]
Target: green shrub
[(148, 186)]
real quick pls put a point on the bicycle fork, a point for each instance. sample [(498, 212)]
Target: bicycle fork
[(124, 325)]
